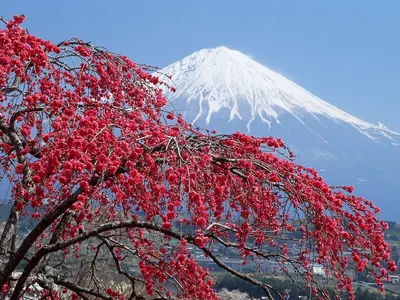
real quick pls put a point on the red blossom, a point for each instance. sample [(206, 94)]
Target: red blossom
[(170, 116)]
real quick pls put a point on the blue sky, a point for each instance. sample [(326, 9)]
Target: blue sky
[(346, 52)]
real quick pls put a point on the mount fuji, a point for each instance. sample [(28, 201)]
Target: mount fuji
[(228, 91)]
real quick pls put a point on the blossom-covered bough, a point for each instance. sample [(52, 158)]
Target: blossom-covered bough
[(114, 185)]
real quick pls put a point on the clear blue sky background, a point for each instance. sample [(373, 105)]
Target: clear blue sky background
[(346, 52)]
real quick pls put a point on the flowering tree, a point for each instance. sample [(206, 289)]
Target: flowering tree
[(225, 294), (113, 181)]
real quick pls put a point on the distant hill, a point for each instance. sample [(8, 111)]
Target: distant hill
[(4, 211)]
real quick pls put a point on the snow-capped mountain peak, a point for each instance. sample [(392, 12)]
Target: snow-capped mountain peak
[(211, 80), (228, 91)]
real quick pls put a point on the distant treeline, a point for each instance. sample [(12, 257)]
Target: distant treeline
[(233, 283)]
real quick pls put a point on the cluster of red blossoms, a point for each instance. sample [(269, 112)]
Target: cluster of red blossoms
[(91, 135)]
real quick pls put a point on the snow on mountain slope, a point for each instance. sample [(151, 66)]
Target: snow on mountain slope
[(213, 79), (226, 90)]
